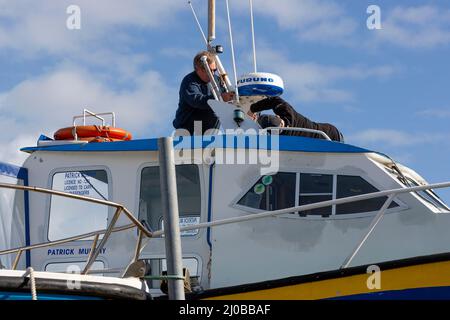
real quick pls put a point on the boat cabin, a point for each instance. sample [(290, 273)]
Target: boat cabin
[(216, 180)]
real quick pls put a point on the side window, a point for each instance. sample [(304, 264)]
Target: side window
[(429, 196), (157, 266), (189, 197), (73, 267), (348, 186), (70, 217), (279, 192), (271, 192), (316, 188)]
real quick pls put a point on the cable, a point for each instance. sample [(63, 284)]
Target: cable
[(232, 52), (253, 36)]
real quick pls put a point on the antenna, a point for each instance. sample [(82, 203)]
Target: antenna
[(211, 20), (232, 52), (222, 72), (198, 23), (253, 36)]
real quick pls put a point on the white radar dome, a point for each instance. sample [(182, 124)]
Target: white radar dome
[(260, 84)]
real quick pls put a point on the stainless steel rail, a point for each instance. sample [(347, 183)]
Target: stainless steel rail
[(87, 113), (95, 250), (299, 130), (391, 194)]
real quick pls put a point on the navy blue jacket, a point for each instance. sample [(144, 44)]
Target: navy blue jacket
[(294, 119), (193, 106)]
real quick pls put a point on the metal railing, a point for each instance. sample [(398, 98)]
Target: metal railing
[(95, 249), (87, 113), (319, 132), (390, 194)]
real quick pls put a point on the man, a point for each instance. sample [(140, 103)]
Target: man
[(194, 95), (286, 116)]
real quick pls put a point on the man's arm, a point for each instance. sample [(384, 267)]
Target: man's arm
[(280, 107), (193, 95), (286, 112), (265, 104)]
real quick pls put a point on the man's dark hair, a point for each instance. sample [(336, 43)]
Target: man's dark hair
[(198, 62), (267, 120)]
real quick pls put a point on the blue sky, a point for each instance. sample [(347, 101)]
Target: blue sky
[(387, 90)]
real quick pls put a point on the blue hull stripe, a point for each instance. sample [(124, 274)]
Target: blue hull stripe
[(43, 296)]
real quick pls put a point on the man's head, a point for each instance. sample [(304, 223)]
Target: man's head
[(267, 121), (198, 64)]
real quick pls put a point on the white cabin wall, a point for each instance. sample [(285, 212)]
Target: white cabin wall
[(277, 247), (122, 170)]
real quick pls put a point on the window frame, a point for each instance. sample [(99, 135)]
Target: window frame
[(332, 193), (252, 182), (430, 192), (77, 261), (436, 203), (401, 205), (161, 257), (203, 205), (78, 169)]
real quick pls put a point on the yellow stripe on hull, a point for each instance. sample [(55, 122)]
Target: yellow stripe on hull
[(419, 276)]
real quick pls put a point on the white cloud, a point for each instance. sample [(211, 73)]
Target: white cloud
[(33, 27), (311, 20), (49, 102), (10, 149), (339, 30), (415, 27), (394, 138), (310, 81), (94, 67)]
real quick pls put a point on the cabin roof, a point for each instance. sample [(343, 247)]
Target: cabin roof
[(286, 143)]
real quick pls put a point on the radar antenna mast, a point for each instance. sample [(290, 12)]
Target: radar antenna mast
[(211, 36)]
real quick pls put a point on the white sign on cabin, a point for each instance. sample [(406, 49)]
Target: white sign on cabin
[(184, 222), (69, 217), (76, 183)]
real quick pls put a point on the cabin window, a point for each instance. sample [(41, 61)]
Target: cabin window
[(428, 195), (74, 267), (348, 186), (271, 192), (70, 217), (286, 190), (189, 197), (158, 265), (316, 188)]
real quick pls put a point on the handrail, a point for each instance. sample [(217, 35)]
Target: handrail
[(392, 193), (87, 113), (305, 207), (75, 196), (107, 232), (65, 240), (320, 132)]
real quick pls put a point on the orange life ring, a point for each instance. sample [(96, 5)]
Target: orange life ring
[(93, 133)]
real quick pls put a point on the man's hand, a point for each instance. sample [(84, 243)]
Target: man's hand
[(252, 115), (227, 96)]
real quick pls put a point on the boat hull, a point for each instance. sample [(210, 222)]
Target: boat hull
[(421, 278), (16, 285)]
